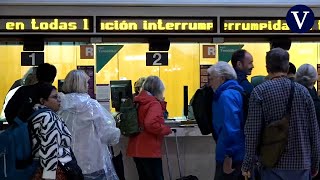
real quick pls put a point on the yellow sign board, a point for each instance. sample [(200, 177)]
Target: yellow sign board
[(156, 25), (106, 25), (46, 24), (258, 25)]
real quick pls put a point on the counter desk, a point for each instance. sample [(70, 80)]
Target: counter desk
[(197, 155)]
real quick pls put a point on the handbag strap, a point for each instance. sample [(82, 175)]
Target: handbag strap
[(111, 150), (289, 105)]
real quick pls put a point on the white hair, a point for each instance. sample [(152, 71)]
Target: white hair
[(306, 75), (75, 82), (154, 85), (222, 69)]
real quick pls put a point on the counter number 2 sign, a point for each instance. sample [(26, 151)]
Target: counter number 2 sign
[(157, 59), (32, 58)]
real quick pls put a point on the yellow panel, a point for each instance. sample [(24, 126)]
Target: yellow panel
[(183, 70), (109, 72), (302, 53), (10, 68), (207, 61), (129, 63), (132, 62), (83, 62), (63, 58), (258, 51)]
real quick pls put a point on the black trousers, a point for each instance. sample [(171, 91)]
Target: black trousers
[(235, 175), (149, 168)]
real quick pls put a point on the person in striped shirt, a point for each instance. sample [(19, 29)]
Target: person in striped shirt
[(51, 139)]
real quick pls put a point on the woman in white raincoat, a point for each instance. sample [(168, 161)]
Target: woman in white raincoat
[(92, 128)]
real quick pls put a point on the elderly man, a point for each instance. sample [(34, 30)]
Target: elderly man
[(228, 122), (298, 156)]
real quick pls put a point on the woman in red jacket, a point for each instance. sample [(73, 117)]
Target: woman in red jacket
[(145, 148)]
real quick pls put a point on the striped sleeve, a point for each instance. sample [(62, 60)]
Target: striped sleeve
[(49, 146)]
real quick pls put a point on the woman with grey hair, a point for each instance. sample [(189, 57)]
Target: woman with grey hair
[(91, 126), (145, 148), (228, 121), (307, 76)]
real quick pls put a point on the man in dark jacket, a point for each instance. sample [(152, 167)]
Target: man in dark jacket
[(292, 71), (242, 62), (19, 104)]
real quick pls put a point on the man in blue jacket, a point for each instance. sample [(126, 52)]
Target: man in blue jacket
[(242, 63), (228, 121)]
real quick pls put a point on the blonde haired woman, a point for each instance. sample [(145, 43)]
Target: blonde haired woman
[(92, 128)]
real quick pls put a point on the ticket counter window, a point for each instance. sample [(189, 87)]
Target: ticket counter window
[(127, 61)]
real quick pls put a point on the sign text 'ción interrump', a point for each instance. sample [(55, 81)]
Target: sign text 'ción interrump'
[(260, 25), (156, 24), (47, 24)]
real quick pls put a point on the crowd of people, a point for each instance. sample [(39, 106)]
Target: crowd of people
[(74, 131)]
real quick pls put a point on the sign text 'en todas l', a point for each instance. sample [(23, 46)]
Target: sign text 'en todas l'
[(46, 24)]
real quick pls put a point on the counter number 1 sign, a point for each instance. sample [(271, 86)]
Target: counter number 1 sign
[(157, 59), (32, 58)]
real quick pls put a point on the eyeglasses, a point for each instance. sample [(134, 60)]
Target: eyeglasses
[(55, 97)]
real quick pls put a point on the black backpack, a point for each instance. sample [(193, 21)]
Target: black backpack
[(202, 109), (245, 99)]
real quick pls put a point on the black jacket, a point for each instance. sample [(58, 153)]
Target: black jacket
[(316, 101), (21, 103)]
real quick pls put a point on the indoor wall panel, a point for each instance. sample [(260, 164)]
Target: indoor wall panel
[(130, 63), (183, 70), (10, 68)]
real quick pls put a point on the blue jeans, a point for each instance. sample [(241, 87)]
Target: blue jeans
[(277, 174)]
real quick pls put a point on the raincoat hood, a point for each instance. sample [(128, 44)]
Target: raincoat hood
[(76, 103), (93, 128)]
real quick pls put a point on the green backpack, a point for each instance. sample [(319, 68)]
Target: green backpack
[(127, 118)]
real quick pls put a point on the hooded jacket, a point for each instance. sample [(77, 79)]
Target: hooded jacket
[(92, 128), (147, 144), (243, 81), (228, 122)]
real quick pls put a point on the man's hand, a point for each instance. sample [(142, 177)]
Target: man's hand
[(314, 173), (227, 165), (246, 174)]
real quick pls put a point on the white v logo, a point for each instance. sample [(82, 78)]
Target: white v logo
[(295, 14)]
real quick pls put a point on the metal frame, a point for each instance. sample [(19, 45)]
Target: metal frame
[(230, 3)]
